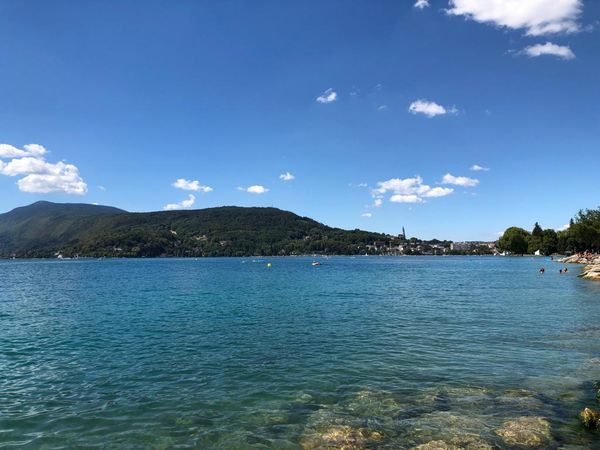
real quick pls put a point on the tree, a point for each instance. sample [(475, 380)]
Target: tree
[(534, 244), (549, 242), (537, 230), (514, 240), (584, 230)]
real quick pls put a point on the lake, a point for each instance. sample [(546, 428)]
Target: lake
[(366, 352)]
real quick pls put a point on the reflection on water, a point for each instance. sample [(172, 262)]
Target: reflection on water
[(427, 353)]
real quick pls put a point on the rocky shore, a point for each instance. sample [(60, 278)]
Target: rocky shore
[(592, 265)]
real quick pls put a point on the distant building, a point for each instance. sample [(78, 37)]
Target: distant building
[(379, 245), (461, 246)]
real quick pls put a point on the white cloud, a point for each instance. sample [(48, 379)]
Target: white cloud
[(430, 109), (459, 181), (382, 107), (407, 190), (328, 96), (478, 168), (537, 17), (187, 185), (564, 227), (367, 215), (399, 185), (409, 198), (67, 181), (561, 51), (27, 165), (286, 176), (184, 204), (256, 189), (10, 151), (38, 175), (438, 192), (422, 4), (102, 188)]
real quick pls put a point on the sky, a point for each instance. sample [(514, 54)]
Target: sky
[(452, 118)]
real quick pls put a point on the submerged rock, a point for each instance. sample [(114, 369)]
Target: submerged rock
[(337, 428), (590, 418), (368, 403), (454, 430), (526, 432), (435, 445), (342, 438)]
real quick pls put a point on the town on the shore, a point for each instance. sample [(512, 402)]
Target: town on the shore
[(398, 246)]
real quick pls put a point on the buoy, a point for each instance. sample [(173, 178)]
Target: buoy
[(269, 265)]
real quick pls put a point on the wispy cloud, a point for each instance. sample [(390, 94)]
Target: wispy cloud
[(368, 215), (286, 176), (38, 175), (188, 185), (329, 96), (478, 168), (537, 17), (560, 51), (184, 204), (382, 107), (422, 4), (430, 109), (459, 181)]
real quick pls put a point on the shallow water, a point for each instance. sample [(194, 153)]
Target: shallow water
[(366, 352)]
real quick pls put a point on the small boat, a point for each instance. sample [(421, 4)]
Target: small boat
[(316, 263)]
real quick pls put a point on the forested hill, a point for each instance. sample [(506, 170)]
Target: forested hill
[(46, 229)]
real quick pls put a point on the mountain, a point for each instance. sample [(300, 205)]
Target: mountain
[(44, 229), (43, 226)]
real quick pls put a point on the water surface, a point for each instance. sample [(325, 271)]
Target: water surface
[(367, 352)]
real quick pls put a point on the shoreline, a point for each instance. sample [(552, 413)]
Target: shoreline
[(50, 258), (591, 271)]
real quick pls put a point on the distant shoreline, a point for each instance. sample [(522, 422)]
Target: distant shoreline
[(4, 258)]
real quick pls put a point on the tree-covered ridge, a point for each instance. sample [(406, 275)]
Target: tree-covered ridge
[(45, 229), (583, 234)]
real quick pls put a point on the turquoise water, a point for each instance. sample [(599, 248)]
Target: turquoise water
[(367, 352)]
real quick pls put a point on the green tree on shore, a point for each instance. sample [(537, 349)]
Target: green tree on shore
[(582, 234), (549, 242), (514, 240)]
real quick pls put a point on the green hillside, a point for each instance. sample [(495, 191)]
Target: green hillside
[(44, 229)]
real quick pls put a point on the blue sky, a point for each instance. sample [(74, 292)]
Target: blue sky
[(378, 109)]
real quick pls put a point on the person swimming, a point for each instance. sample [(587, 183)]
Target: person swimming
[(542, 270), (560, 271)]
